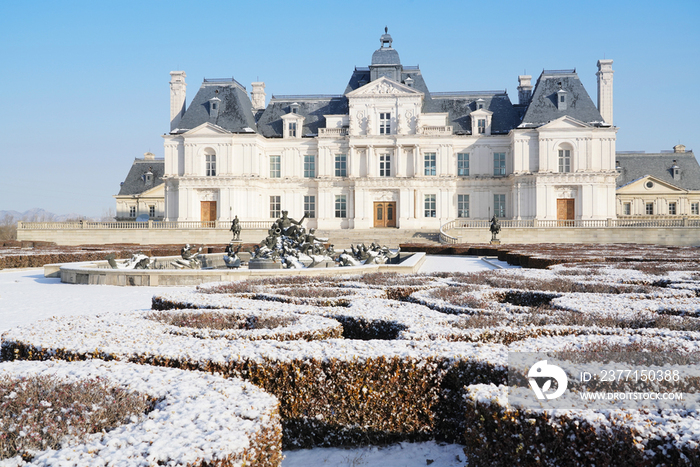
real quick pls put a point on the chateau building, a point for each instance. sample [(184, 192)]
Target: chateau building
[(388, 152), (664, 184), (142, 193)]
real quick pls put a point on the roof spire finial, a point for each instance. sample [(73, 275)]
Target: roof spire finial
[(386, 29)]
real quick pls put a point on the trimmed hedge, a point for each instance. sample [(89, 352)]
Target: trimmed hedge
[(498, 434), (199, 420)]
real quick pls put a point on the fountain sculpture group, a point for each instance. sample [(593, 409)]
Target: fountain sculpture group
[(287, 245)]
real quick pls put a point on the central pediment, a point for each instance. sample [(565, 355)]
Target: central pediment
[(565, 123), (384, 87)]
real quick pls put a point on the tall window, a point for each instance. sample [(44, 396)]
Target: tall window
[(310, 166), (275, 207), (211, 165), (275, 166), (564, 161), (429, 163), (650, 209), (132, 211), (385, 165), (310, 206), (695, 209), (429, 206), (462, 205), (627, 209), (384, 123), (672, 209), (499, 205), (292, 129), (341, 165), (151, 211), (499, 163), (462, 164), (481, 125), (341, 206)]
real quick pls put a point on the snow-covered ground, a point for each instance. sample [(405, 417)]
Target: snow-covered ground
[(27, 296)]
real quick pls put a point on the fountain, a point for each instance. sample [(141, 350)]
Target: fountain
[(288, 249)]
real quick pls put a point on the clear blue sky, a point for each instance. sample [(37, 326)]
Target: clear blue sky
[(84, 85)]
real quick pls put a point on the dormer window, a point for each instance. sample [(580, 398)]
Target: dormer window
[(292, 124), (408, 82), (675, 170), (214, 105), (294, 108), (481, 121), (479, 104), (562, 99)]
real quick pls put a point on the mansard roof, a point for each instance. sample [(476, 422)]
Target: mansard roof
[(235, 110), (543, 105), (312, 108), (460, 105), (634, 166), (135, 182)]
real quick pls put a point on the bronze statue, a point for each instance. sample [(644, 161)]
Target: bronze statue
[(495, 228), (231, 256), (188, 258), (236, 228)]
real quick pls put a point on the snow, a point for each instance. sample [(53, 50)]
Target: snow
[(27, 296), (402, 454), (449, 263)]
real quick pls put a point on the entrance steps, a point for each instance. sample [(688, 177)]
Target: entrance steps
[(392, 238)]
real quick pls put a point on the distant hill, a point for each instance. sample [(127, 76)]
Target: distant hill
[(40, 215)]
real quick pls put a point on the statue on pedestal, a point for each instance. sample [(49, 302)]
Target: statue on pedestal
[(495, 229), (236, 229)]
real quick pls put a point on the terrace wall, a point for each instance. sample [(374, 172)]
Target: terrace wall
[(680, 236)]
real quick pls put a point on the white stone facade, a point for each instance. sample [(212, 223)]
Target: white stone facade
[(386, 148)]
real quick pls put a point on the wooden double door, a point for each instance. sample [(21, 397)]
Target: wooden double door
[(565, 211), (384, 214)]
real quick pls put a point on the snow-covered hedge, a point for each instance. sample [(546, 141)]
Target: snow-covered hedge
[(410, 350), (331, 392), (199, 419), (499, 434)]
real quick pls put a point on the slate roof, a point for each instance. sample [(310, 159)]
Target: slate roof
[(638, 165), (134, 183), (235, 111), (459, 107), (312, 108), (543, 106), (386, 56)]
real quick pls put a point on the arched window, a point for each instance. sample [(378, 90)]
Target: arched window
[(564, 160)]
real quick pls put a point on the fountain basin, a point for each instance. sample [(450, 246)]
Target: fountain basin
[(213, 270)]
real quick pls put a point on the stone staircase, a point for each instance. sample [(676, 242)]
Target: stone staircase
[(342, 239)]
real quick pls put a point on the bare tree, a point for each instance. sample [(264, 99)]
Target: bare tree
[(108, 215), (8, 228)]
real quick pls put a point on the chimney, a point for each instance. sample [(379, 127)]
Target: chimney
[(605, 90), (177, 97), (679, 148), (524, 89), (257, 95)]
